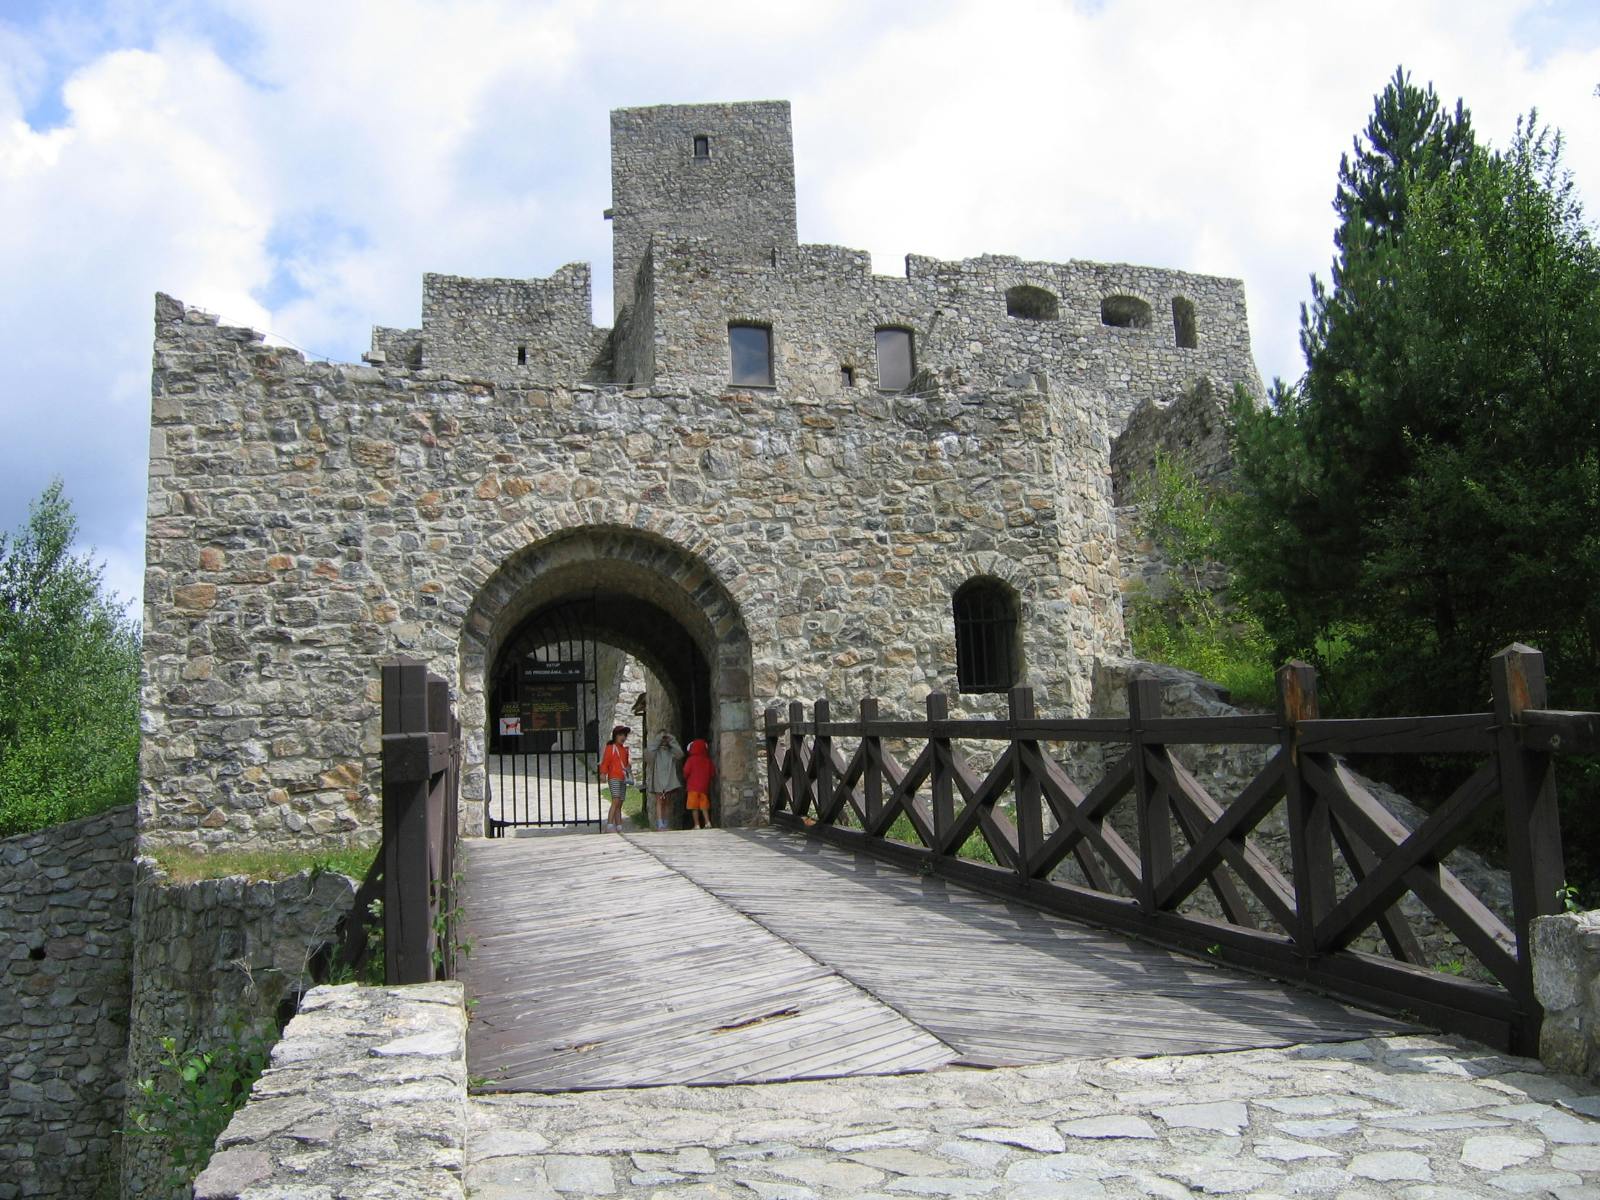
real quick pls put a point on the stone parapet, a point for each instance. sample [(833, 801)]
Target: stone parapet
[(66, 902), (366, 1097), (1566, 978)]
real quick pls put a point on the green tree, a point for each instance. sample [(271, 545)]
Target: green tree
[(1428, 492), (69, 678)]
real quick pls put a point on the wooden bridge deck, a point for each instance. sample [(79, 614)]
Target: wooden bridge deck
[(737, 956)]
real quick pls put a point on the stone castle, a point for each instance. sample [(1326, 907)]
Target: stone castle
[(777, 476)]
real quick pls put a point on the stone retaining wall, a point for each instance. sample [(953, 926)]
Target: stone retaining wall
[(366, 1097), (1566, 978), (216, 961), (66, 902)]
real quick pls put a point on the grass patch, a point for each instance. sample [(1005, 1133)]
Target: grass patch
[(974, 849), (1190, 633), (192, 866)]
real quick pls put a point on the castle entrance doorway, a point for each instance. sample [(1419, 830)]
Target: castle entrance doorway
[(645, 616), (567, 674)]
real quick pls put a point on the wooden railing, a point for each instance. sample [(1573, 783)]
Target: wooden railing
[(413, 874), (1139, 870)]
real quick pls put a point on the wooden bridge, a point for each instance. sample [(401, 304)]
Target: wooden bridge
[(757, 955), (860, 936)]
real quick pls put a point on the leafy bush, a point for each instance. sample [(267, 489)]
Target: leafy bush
[(69, 676), (186, 1101), (1187, 625)]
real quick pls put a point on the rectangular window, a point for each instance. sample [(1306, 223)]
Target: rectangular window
[(896, 363), (750, 350), (702, 147), (847, 376), (522, 356)]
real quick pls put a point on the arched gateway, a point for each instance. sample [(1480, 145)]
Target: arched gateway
[(630, 589)]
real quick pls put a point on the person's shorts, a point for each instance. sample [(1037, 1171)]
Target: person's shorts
[(619, 788), (698, 800)]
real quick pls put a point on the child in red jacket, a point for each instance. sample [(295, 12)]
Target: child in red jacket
[(613, 769), (698, 772)]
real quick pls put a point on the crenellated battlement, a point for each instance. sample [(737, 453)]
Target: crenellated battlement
[(705, 255)]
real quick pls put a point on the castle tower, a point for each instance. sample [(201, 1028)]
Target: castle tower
[(720, 170)]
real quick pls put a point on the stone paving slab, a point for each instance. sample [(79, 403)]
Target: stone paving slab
[(1419, 1118)]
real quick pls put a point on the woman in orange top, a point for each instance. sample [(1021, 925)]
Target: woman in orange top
[(614, 771)]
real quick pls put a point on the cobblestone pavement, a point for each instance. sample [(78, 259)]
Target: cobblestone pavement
[(1420, 1118)]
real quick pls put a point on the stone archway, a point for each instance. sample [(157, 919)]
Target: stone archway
[(648, 593)]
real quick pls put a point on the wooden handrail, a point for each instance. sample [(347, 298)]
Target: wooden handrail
[(1185, 839)]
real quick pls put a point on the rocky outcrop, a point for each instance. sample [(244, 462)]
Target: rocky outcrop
[(1566, 978)]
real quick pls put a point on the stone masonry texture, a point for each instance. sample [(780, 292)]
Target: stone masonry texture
[(365, 1099), (1566, 978), (66, 904), (215, 962), (306, 522), (1402, 1118)]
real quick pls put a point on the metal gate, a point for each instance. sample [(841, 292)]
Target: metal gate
[(544, 735)]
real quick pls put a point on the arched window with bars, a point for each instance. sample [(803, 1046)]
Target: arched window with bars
[(987, 646)]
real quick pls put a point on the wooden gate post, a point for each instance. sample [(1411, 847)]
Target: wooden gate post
[(405, 819), (795, 765), (941, 791), (1310, 828), (775, 803), (1154, 820), (1533, 829), (822, 760), (871, 765), (1030, 797)]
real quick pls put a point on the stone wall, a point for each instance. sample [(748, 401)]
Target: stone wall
[(824, 306), (741, 192), (1190, 428), (307, 521), (395, 347), (527, 330), (366, 1097), (216, 961), (1566, 978), (66, 903)]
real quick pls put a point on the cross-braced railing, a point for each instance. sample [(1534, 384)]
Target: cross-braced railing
[(1350, 861)]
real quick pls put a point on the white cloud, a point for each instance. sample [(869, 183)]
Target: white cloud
[(296, 166)]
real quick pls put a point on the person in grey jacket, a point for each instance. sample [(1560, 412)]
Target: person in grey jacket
[(661, 761)]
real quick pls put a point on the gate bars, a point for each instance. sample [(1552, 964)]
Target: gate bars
[(1185, 838)]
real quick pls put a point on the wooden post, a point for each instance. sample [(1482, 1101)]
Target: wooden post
[(1533, 828), (941, 788), (822, 760), (1154, 821), (1310, 831), (799, 789), (407, 925), (1030, 815), (774, 777), (872, 763)]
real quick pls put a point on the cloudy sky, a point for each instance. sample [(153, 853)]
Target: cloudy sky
[(296, 166)]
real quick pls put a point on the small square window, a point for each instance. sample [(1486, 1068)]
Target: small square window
[(896, 362), (702, 146), (750, 352), (847, 376)]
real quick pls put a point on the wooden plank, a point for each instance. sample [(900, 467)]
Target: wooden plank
[(934, 952), (594, 965), (1469, 733)]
